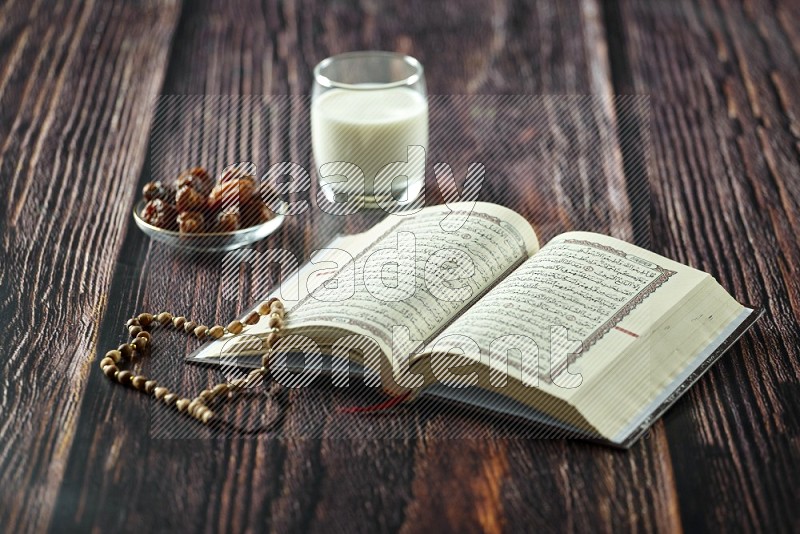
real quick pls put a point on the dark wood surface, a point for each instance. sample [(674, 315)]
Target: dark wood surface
[(721, 147)]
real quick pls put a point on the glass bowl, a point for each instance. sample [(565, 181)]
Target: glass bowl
[(207, 242)]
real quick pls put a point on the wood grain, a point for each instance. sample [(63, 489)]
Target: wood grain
[(76, 85), (727, 200), (76, 88), (296, 483)]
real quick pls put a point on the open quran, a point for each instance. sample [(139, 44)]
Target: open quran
[(587, 334)]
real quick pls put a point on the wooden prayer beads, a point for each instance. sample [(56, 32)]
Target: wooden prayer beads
[(140, 344)]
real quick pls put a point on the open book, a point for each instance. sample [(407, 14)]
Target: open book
[(587, 334)]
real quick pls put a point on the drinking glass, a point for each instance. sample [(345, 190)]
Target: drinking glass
[(369, 128)]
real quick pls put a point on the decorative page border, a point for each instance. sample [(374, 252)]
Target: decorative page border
[(511, 229), (614, 320)]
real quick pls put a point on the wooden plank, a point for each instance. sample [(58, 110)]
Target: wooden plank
[(76, 88), (221, 49), (351, 482), (727, 200)]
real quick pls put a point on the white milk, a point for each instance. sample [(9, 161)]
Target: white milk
[(370, 128)]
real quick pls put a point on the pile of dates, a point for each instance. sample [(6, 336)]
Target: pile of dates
[(195, 203)]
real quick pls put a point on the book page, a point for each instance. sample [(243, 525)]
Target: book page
[(543, 323), (416, 276), (414, 273), (591, 330), (301, 282)]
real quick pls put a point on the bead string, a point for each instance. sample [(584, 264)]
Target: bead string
[(140, 345)]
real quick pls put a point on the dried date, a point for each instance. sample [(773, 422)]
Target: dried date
[(158, 190), (232, 193), (196, 178), (191, 222), (229, 219), (160, 214), (256, 212), (189, 199)]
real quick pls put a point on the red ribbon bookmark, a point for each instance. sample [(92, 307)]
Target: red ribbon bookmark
[(385, 405)]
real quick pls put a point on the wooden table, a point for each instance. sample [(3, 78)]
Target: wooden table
[(721, 148)]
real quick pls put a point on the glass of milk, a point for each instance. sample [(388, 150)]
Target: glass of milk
[(369, 129)]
